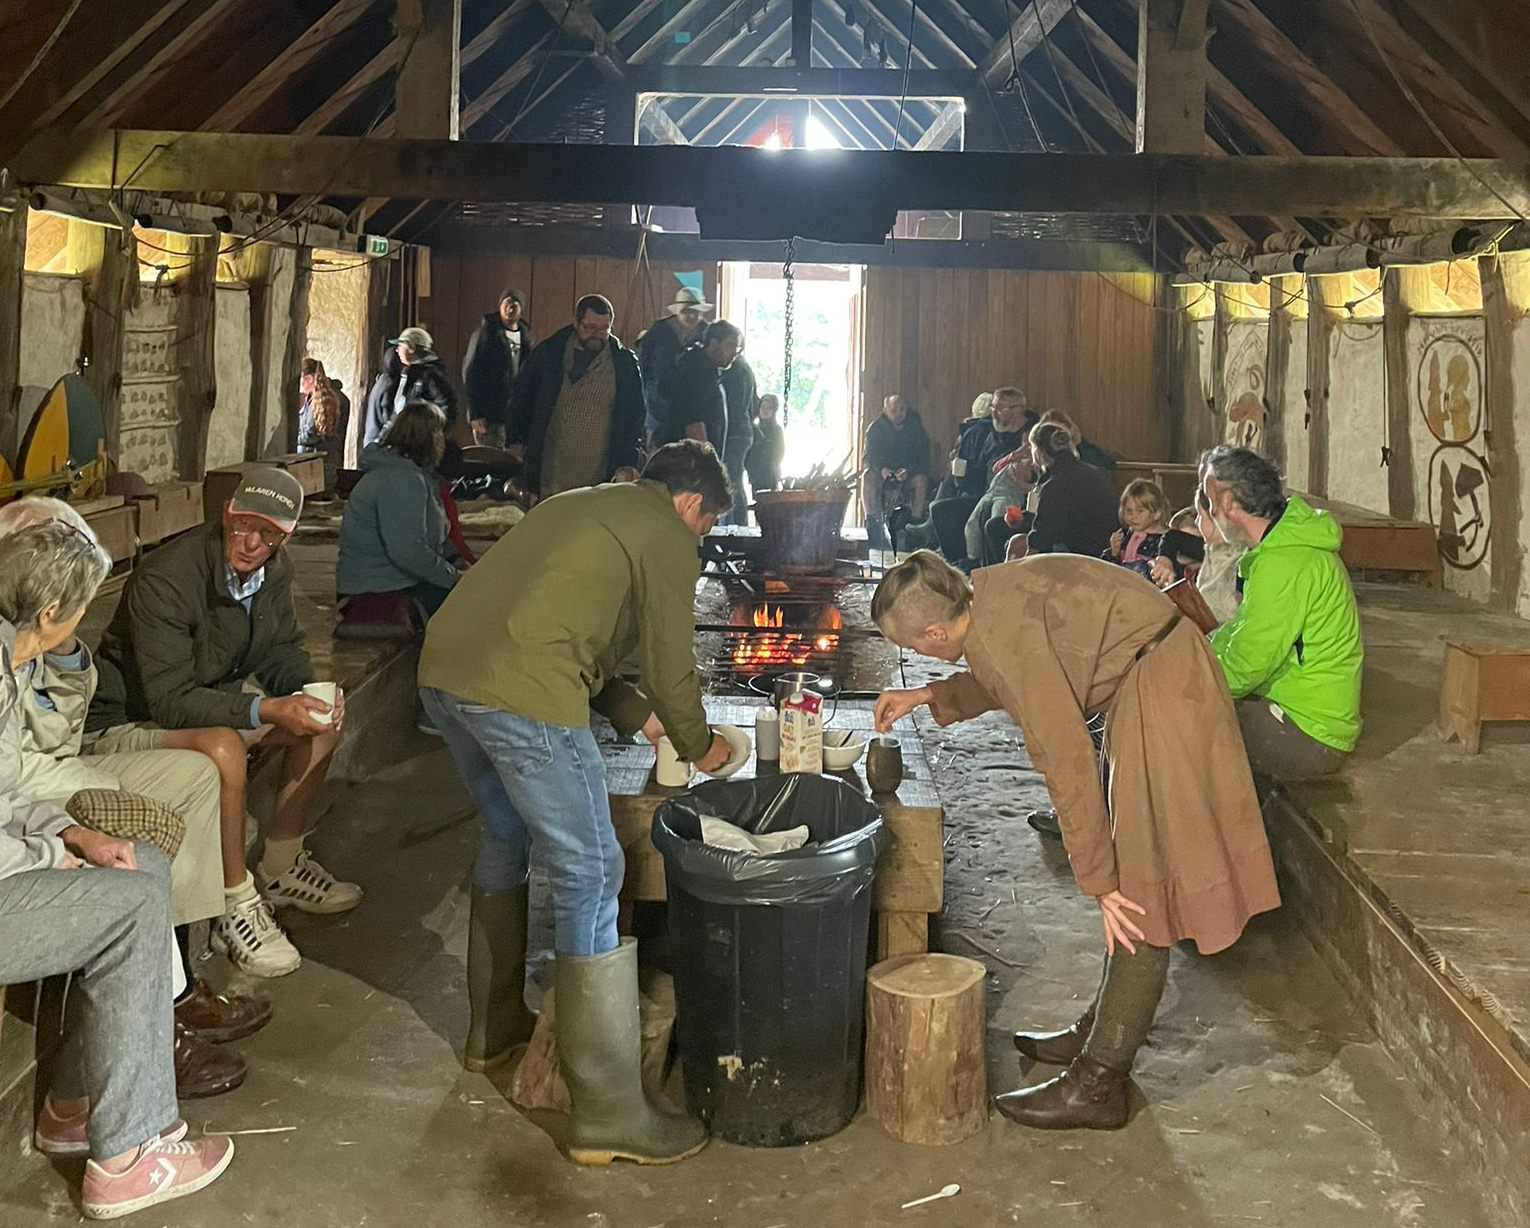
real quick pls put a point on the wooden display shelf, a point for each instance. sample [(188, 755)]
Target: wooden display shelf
[(910, 880)]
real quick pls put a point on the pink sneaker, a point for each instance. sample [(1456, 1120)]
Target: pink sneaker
[(163, 1171), (65, 1136)]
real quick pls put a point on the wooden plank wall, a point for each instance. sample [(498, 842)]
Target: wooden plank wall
[(462, 289), (1077, 341)]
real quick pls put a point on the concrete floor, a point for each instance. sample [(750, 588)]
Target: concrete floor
[(1262, 1097)]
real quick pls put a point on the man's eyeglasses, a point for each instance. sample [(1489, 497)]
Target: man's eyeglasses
[(270, 536)]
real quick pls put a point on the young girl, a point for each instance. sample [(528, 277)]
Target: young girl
[(1145, 513)]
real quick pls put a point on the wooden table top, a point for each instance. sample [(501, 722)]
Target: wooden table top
[(629, 768)]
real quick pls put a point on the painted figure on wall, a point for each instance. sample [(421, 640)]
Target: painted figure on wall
[(1458, 405), (1245, 416), (1449, 387), (1434, 407), (1460, 509)]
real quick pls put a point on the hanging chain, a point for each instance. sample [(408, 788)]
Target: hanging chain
[(791, 308)]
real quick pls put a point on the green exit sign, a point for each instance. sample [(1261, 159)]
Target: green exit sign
[(377, 245)]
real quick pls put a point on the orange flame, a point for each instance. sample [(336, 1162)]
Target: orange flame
[(773, 650)]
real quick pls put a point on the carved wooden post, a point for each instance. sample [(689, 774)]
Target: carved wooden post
[(1321, 294), (1404, 290), (13, 251), (195, 348), (1277, 353), (107, 260), (1505, 299)]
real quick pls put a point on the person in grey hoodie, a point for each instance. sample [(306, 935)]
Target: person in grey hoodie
[(393, 537)]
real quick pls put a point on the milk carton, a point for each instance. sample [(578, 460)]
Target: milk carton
[(802, 733)]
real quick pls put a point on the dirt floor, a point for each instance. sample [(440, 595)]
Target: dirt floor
[(1262, 1098)]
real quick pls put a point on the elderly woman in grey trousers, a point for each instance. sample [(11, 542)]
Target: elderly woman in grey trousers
[(76, 900)]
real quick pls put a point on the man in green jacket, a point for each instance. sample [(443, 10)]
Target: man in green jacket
[(1292, 653), (528, 642)]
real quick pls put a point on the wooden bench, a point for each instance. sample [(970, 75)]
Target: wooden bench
[(1374, 542), (910, 881), (1177, 480), (1482, 682)]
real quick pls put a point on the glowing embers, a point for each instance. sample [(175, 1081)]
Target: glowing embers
[(767, 640)]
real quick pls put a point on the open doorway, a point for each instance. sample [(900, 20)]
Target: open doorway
[(820, 420)]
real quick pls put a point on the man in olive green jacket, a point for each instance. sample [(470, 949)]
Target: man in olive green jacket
[(527, 643)]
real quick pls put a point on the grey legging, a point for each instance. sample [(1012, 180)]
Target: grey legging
[(112, 928)]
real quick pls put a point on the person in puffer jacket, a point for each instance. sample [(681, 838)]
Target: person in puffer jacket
[(394, 534), (1292, 654), (412, 371)]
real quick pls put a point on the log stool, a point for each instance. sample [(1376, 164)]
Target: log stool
[(926, 1081), (1482, 682)]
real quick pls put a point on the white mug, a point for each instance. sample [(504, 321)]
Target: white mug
[(958, 466), (669, 769), (325, 691), (767, 733)]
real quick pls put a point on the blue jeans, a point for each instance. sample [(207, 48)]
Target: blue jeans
[(733, 461), (541, 783)]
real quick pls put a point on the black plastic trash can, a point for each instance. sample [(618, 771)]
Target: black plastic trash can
[(769, 955)]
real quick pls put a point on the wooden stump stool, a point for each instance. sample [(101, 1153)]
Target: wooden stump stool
[(925, 1075)]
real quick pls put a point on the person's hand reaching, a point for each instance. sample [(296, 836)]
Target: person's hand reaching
[(1119, 927), (893, 705), (716, 755), (653, 728), (1162, 572), (1117, 542)]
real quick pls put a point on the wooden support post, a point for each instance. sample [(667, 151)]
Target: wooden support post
[(253, 265), (297, 346), (1277, 353), (802, 33), (1505, 299), (106, 259), (429, 53), (13, 253), (196, 312), (1404, 290), (926, 1080), (1171, 76), (1322, 296), (902, 933)]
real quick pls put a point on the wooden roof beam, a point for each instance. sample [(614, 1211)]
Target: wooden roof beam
[(314, 43), (1321, 92), (1472, 36), (478, 170), (666, 33), (1035, 21), (946, 125), (427, 87)]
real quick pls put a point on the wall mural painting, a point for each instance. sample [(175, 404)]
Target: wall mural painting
[(1449, 380), (1459, 507), (1245, 387)]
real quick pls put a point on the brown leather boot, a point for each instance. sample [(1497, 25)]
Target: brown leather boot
[(219, 1017), (202, 1069), (1056, 1048), (1086, 1096)]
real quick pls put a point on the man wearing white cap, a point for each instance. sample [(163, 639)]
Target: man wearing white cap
[(412, 371), (666, 339), (200, 618)]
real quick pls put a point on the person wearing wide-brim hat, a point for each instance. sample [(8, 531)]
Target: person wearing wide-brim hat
[(662, 344)]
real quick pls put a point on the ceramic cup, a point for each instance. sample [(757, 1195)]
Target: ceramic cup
[(324, 691), (669, 769), (767, 734), (884, 765)]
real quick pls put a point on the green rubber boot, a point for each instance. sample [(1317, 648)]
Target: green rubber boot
[(600, 1044), (496, 974)]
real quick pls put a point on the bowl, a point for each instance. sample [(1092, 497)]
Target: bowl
[(841, 748), (740, 746)]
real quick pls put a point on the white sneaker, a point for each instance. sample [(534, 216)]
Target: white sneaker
[(309, 886), (254, 943)]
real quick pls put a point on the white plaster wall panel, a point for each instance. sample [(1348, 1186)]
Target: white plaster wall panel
[(1243, 378), (1357, 415), (52, 328), (337, 308), (1293, 413), (232, 371), (149, 386)]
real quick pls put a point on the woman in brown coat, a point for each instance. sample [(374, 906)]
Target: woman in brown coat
[(1172, 845)]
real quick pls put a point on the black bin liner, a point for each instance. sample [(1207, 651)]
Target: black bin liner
[(769, 955)]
